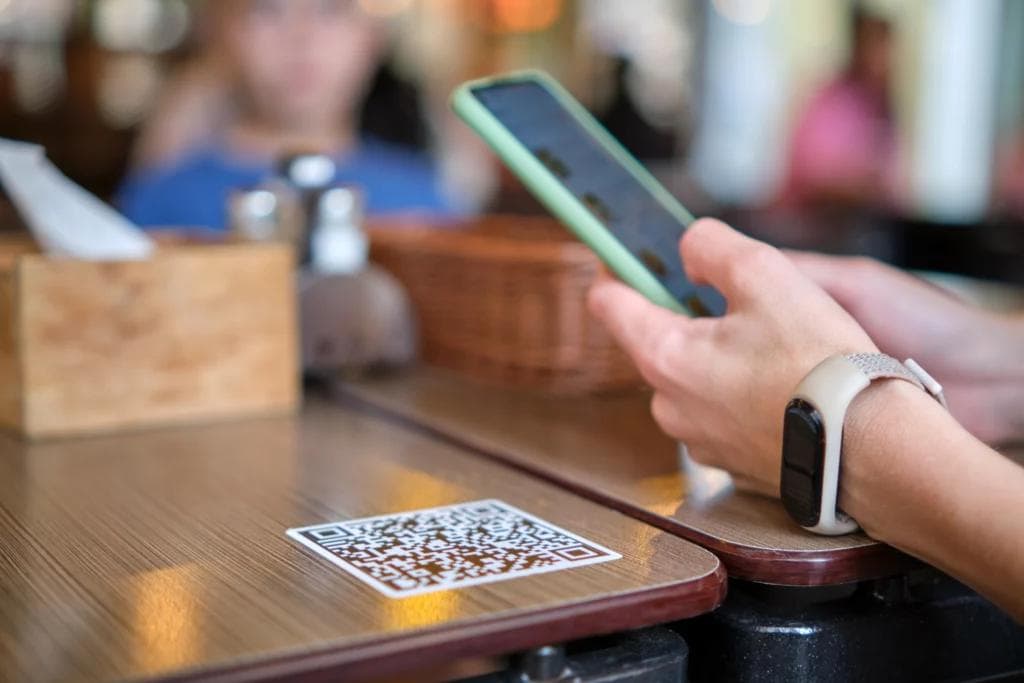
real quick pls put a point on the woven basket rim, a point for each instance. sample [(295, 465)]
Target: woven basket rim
[(471, 242)]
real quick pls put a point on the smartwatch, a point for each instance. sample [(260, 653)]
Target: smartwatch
[(812, 437)]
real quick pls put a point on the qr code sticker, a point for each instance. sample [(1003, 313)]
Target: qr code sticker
[(418, 552)]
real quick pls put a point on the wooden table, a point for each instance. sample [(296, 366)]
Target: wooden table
[(164, 555), (610, 450)]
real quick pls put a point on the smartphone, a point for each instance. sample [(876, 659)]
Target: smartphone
[(588, 180)]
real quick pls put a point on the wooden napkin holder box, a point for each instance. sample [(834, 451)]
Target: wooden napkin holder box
[(195, 333)]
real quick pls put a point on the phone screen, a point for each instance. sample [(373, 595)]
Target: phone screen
[(644, 225)]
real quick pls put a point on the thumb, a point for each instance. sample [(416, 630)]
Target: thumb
[(736, 265)]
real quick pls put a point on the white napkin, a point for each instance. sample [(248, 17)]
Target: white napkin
[(65, 219)]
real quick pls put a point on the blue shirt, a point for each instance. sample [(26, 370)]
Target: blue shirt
[(194, 191)]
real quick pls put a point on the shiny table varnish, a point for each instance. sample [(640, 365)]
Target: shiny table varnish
[(163, 554), (609, 449)]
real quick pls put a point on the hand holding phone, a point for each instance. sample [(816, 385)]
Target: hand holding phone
[(590, 182)]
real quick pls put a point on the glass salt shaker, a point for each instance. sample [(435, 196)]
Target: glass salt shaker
[(338, 244)]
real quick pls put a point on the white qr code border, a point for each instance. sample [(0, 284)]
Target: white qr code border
[(296, 534)]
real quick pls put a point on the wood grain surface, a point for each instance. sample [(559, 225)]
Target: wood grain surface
[(610, 450), (14, 245), (192, 333), (10, 365), (163, 555)]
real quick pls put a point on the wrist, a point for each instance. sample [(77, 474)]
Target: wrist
[(884, 429), (917, 480)]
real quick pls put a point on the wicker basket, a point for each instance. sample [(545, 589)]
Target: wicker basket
[(504, 299)]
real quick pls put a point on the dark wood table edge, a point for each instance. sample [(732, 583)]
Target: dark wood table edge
[(759, 565), (483, 638)]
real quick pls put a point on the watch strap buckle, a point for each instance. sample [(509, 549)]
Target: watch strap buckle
[(927, 381)]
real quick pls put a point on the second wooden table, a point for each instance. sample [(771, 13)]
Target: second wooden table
[(610, 450)]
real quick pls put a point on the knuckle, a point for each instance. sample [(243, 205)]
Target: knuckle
[(663, 359), (749, 269), (764, 258), (695, 233)]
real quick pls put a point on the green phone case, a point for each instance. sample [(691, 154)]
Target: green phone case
[(556, 197)]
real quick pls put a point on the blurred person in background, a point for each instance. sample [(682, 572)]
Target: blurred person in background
[(843, 151), (279, 77)]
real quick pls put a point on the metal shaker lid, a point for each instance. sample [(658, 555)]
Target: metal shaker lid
[(307, 171)]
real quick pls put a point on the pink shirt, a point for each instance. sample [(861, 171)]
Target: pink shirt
[(844, 136)]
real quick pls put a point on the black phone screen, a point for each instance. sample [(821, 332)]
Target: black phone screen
[(644, 225)]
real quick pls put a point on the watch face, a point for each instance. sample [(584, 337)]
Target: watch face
[(803, 462)]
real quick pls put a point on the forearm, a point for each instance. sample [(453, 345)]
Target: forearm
[(1006, 378), (1015, 343), (915, 479), (982, 369)]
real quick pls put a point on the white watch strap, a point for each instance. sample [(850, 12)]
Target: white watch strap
[(880, 366), (830, 389)]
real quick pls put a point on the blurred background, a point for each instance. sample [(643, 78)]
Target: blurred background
[(893, 128)]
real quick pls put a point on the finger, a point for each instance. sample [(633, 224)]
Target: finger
[(836, 275), (668, 415), (642, 328), (853, 280), (831, 273), (734, 264)]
